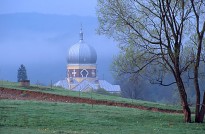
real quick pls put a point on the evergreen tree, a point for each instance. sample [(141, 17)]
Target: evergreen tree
[(22, 75)]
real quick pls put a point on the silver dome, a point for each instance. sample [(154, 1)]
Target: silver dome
[(81, 53)]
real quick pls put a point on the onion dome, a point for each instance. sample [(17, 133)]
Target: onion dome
[(81, 53)]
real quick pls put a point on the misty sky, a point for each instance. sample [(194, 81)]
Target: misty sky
[(38, 33), (63, 7)]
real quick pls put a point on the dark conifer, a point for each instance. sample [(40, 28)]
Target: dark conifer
[(22, 75)]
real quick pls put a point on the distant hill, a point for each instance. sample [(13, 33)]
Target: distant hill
[(40, 41), (37, 22)]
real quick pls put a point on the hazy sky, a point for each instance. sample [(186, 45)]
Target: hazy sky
[(65, 7), (40, 41)]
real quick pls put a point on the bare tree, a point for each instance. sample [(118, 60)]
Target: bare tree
[(160, 31), (198, 7)]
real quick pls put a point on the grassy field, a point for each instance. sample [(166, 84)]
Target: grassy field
[(93, 95), (32, 117)]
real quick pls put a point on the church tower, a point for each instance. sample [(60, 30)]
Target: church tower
[(81, 70), (81, 62)]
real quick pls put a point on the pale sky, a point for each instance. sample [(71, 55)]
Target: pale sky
[(41, 43), (63, 7)]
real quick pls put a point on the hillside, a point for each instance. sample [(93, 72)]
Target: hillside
[(12, 90), (51, 110)]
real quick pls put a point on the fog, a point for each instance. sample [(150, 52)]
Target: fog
[(62, 7), (40, 42)]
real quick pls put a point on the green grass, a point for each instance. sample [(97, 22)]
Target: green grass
[(33, 117), (61, 91)]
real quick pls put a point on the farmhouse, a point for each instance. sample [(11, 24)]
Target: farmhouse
[(81, 69)]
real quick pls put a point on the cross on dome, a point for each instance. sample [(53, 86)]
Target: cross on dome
[(81, 33)]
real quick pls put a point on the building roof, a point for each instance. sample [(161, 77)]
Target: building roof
[(86, 85), (62, 83), (109, 87), (81, 53)]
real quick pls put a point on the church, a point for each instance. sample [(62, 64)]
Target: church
[(81, 70)]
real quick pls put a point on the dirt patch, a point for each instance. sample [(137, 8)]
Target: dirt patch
[(15, 94)]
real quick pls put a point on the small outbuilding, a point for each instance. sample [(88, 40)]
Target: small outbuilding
[(24, 83)]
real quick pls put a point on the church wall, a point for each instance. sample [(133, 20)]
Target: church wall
[(81, 73), (81, 66)]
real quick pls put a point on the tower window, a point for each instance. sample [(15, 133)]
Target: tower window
[(84, 73)]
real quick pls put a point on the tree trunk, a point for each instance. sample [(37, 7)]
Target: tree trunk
[(202, 111), (185, 105), (197, 90), (187, 113)]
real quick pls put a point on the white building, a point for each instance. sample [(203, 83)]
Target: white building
[(81, 70)]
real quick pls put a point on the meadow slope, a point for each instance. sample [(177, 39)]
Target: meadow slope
[(35, 117), (6, 93), (45, 110)]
